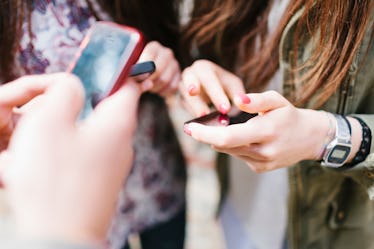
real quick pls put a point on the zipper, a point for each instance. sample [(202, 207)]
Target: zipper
[(347, 87)]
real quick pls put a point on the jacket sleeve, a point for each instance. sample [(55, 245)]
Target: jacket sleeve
[(363, 172)]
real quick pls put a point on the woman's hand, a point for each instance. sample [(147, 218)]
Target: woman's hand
[(63, 176), (12, 96), (166, 78), (279, 136), (204, 83)]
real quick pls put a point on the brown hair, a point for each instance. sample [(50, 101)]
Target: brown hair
[(12, 14), (226, 31), (158, 20)]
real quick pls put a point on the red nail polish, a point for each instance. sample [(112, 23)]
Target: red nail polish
[(223, 120), (244, 98), (187, 130)]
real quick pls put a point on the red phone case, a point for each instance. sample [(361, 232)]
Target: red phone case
[(137, 40)]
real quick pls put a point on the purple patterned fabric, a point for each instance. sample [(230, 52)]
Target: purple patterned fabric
[(155, 189)]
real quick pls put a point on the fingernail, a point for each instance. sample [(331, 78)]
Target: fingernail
[(223, 120), (224, 108), (244, 98), (187, 130), (191, 89)]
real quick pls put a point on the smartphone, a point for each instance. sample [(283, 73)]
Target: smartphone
[(142, 68), (218, 119), (104, 60)]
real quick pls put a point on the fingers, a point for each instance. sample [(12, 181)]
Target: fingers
[(229, 136), (233, 85), (22, 90), (63, 99), (115, 116), (166, 77), (190, 90), (62, 95), (206, 79), (260, 102), (172, 87), (149, 51)]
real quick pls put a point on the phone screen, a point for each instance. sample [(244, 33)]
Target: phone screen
[(102, 60)]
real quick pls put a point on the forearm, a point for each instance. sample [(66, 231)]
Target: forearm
[(44, 244)]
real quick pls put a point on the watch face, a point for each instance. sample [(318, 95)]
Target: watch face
[(339, 154)]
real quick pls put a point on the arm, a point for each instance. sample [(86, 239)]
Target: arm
[(280, 136), (57, 170)]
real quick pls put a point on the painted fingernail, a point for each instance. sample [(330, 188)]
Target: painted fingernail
[(191, 89), (187, 130), (224, 108), (223, 120), (244, 98)]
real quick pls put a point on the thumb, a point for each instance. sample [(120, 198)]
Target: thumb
[(116, 115), (260, 102)]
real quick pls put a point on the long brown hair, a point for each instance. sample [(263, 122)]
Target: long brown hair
[(227, 31), (158, 20), (12, 12)]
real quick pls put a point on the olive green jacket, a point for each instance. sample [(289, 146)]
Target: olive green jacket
[(333, 209)]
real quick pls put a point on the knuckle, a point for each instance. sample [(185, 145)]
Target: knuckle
[(272, 93), (269, 155), (169, 53), (202, 63), (269, 132), (154, 44), (225, 141)]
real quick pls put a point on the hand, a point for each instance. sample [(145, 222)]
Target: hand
[(279, 136), (63, 177), (166, 78), (12, 96), (205, 82)]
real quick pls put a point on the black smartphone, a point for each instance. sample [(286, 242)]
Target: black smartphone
[(141, 68), (218, 119)]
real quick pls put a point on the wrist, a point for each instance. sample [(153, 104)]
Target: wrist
[(356, 137), (321, 132)]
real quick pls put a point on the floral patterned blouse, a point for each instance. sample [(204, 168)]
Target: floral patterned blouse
[(155, 190)]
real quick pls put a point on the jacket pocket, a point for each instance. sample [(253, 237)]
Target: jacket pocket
[(351, 208)]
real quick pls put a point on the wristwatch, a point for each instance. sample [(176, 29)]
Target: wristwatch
[(337, 151)]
